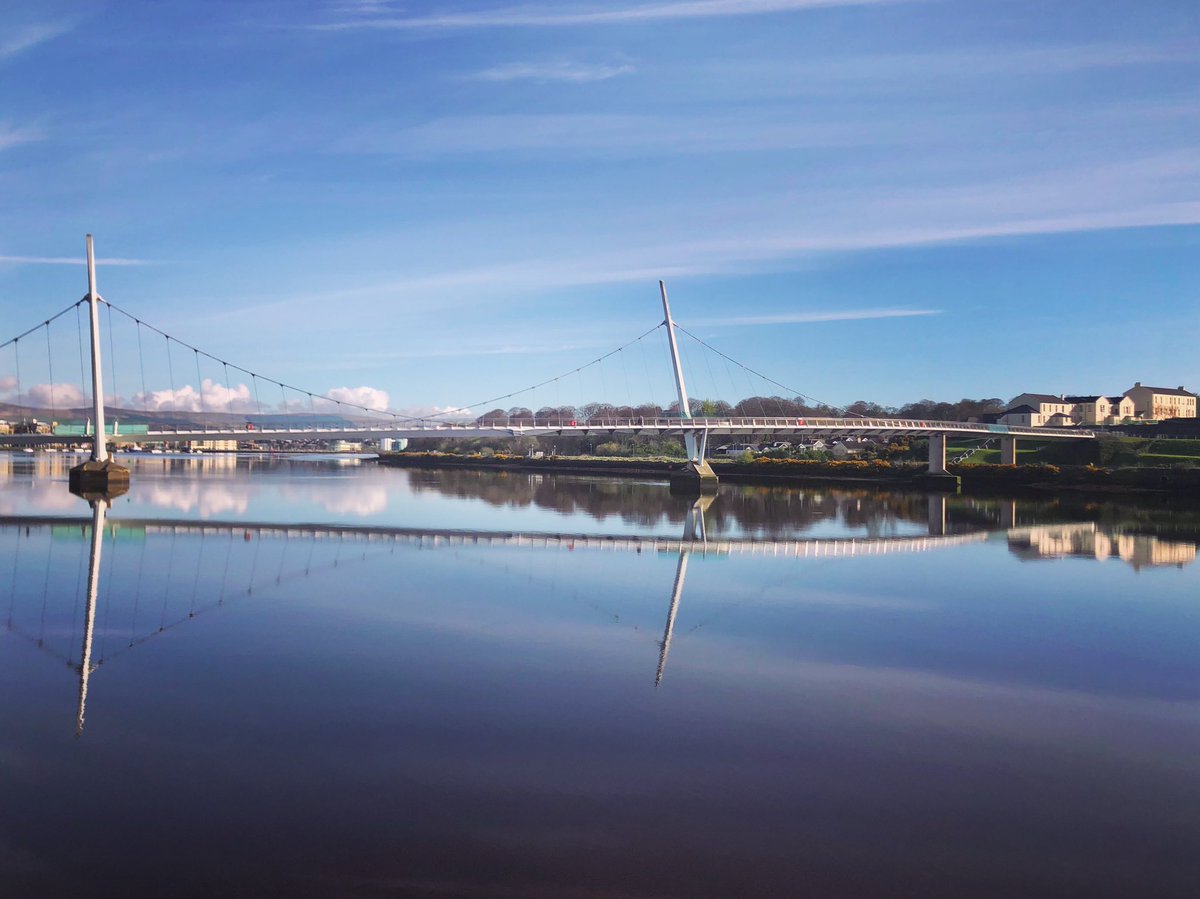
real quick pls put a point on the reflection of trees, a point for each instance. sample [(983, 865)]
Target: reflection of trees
[(757, 511)]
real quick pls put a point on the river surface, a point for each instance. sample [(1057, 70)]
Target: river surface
[(307, 677)]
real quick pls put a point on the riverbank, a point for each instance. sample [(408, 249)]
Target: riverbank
[(797, 472)]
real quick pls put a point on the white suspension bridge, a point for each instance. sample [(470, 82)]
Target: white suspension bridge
[(695, 430)]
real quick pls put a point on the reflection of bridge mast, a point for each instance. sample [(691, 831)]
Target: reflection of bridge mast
[(693, 529), (93, 582), (99, 508)]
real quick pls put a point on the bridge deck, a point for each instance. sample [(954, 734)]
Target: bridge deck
[(651, 427)]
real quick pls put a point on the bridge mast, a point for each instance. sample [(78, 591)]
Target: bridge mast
[(685, 410), (99, 450), (99, 474), (698, 476)]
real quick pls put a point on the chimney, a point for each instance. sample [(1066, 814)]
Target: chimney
[(1137, 383)]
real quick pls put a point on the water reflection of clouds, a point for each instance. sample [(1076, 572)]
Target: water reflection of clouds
[(340, 496), (204, 499), (48, 497)]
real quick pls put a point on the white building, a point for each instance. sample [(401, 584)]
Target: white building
[(1045, 405), (1162, 402)]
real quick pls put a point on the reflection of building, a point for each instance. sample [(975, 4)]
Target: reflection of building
[(1085, 541)]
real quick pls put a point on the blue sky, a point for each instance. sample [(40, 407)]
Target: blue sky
[(881, 200)]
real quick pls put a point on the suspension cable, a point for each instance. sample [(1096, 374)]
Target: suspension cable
[(548, 380), (396, 416), (791, 390), (42, 324)]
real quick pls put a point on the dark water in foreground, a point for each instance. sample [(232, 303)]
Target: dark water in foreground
[(313, 679)]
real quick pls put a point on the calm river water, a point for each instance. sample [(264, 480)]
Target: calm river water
[(311, 678)]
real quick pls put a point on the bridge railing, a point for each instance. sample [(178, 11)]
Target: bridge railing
[(899, 425), (252, 430)]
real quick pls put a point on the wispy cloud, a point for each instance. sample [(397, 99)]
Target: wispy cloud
[(600, 134), (547, 17), (23, 38), (559, 70), (70, 260), (796, 318), (957, 63), (11, 136)]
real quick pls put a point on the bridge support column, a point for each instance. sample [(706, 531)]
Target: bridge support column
[(937, 477), (937, 454), (695, 479), (1008, 450)]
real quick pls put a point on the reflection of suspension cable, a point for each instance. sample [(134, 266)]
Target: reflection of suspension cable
[(196, 577), (137, 594), (287, 539), (167, 583), (12, 593), (225, 573), (249, 591), (45, 591), (112, 561), (253, 562)]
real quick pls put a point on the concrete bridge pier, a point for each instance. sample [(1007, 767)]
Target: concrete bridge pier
[(696, 478), (937, 454), (937, 477), (1008, 450)]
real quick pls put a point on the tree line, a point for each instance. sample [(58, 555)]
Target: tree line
[(752, 407)]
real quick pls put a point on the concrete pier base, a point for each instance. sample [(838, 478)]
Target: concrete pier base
[(104, 478), (695, 479)]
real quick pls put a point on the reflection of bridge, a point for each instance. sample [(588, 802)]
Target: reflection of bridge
[(694, 541), (217, 402)]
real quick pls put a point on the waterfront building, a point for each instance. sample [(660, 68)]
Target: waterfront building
[(1158, 403), (1046, 405)]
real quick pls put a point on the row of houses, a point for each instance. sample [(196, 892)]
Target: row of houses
[(1138, 403)]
